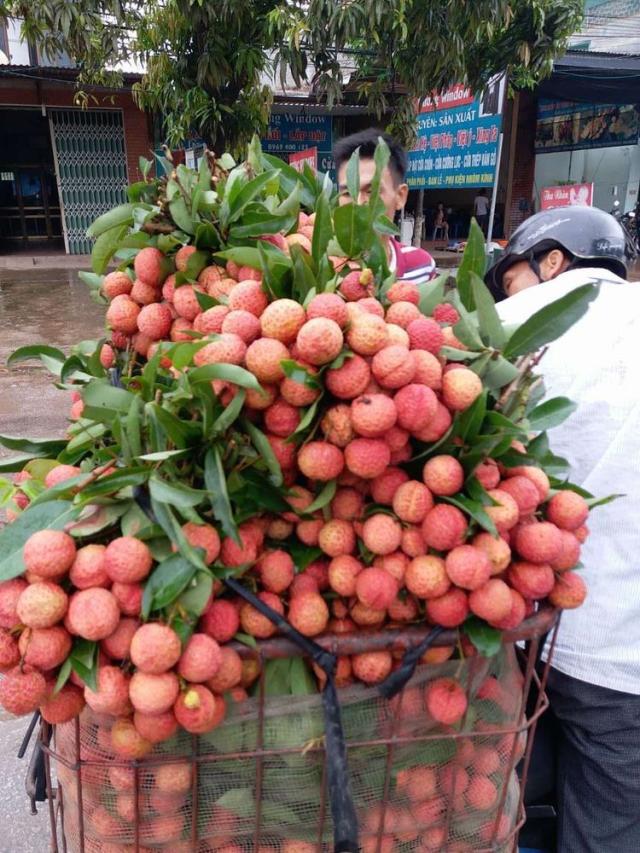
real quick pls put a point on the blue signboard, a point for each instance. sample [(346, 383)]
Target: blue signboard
[(458, 139), (567, 126), (290, 132)]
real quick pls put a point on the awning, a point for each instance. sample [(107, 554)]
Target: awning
[(593, 78)]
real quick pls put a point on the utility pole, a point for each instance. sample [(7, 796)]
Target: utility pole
[(417, 232)]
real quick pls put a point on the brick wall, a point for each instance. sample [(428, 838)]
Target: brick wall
[(137, 130), (524, 162)]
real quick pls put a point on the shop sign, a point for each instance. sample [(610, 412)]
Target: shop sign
[(567, 126), (299, 158), (458, 139), (573, 194)]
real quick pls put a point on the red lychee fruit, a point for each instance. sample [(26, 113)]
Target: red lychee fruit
[(220, 620), (403, 313), (155, 728), (567, 510), (540, 542), (112, 695), (203, 536), (117, 645), (505, 512), (531, 580), (115, 284), (428, 370), (309, 614), (87, 569), (426, 334), (308, 531), (350, 380), (319, 341), (42, 605), (569, 591), (155, 648), (248, 296), (122, 315), (366, 457), (381, 534), (319, 460), (482, 793), (468, 567), (444, 527), (127, 560), (487, 473), (49, 554), (127, 742), (9, 651), (445, 701), (155, 321), (180, 329), (437, 427), (426, 577), (336, 425), (337, 537), (200, 659), (10, 592), (22, 690), (154, 694), (198, 711), (524, 493), (393, 367), (515, 615), (403, 291), (347, 504), (244, 324), (129, 597), (254, 623), (372, 667), (226, 349), (300, 393), (536, 475), (460, 388), (281, 418), (449, 610), (417, 406), (365, 617), (367, 334), (376, 588), (357, 284), (229, 674), (343, 572), (282, 320), (412, 501), (150, 265), (445, 313), (93, 614), (385, 486), (45, 648), (570, 553), (63, 706), (276, 572), (443, 475), (182, 257), (328, 305), (491, 601), (496, 549), (263, 358), (372, 415)]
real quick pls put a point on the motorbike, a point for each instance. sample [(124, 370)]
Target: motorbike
[(629, 223)]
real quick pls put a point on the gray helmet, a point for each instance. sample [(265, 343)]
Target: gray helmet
[(587, 233)]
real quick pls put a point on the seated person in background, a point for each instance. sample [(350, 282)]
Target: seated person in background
[(409, 263)]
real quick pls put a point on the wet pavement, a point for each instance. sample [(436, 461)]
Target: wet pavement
[(40, 306)]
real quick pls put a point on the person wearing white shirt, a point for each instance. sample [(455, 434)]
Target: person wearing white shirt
[(594, 682), (481, 209)]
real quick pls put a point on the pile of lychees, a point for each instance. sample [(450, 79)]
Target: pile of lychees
[(394, 549)]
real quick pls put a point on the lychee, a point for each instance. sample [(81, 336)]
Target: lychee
[(22, 690), (350, 380), (403, 291), (254, 623), (122, 315), (154, 694), (45, 648), (416, 405), (460, 388), (413, 544), (496, 549), (402, 313), (445, 313), (487, 473), (443, 475), (531, 580), (482, 793), (143, 293), (200, 659), (155, 648), (300, 393), (230, 672), (372, 306), (112, 694), (381, 534), (220, 620), (337, 426), (244, 324), (372, 667), (282, 320), (367, 334), (397, 336), (357, 284), (155, 320), (444, 527), (49, 554), (343, 572), (150, 265), (373, 414), (426, 577), (437, 426), (60, 474), (504, 512), (393, 366), (93, 614), (210, 321), (63, 706), (42, 605), (491, 601), (449, 610), (540, 542), (524, 493), (127, 742), (198, 711), (281, 418), (263, 358), (567, 510), (376, 588), (128, 596), (319, 460), (308, 613), (468, 567), (337, 537), (127, 560), (203, 536), (569, 591), (186, 302), (226, 349), (261, 400), (570, 553), (319, 341), (426, 334), (115, 284), (249, 296), (117, 645), (88, 569), (180, 329), (9, 651), (328, 305), (232, 554), (366, 457), (515, 615), (385, 486), (276, 572), (445, 701)]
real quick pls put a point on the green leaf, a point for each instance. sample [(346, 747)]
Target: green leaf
[(197, 595), (322, 229), (216, 484), (196, 262), (491, 328), (466, 329), (229, 415), (114, 218), (248, 192), (261, 443), (228, 372), (551, 322), (63, 676), (353, 176), (73, 368), (105, 247), (135, 522), (84, 662), (468, 423), (54, 515), (15, 463), (166, 583), (496, 373), (300, 679), (181, 432), (295, 371), (205, 301), (473, 261), (486, 639), (37, 351), (352, 228), (325, 497), (181, 215), (246, 640), (103, 402), (122, 478), (34, 446), (307, 418), (304, 279), (175, 494), (94, 519), (93, 281), (256, 223), (594, 502), (432, 293), (475, 510), (551, 413), (302, 555)]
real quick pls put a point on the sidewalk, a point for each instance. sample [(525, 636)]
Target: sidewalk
[(57, 261)]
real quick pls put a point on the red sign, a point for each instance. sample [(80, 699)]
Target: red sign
[(309, 155), (456, 96), (574, 194)]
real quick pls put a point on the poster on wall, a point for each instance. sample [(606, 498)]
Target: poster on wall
[(563, 196), (289, 133), (458, 138), (307, 155), (567, 126)]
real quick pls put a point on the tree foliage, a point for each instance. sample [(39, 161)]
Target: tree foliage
[(209, 65)]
